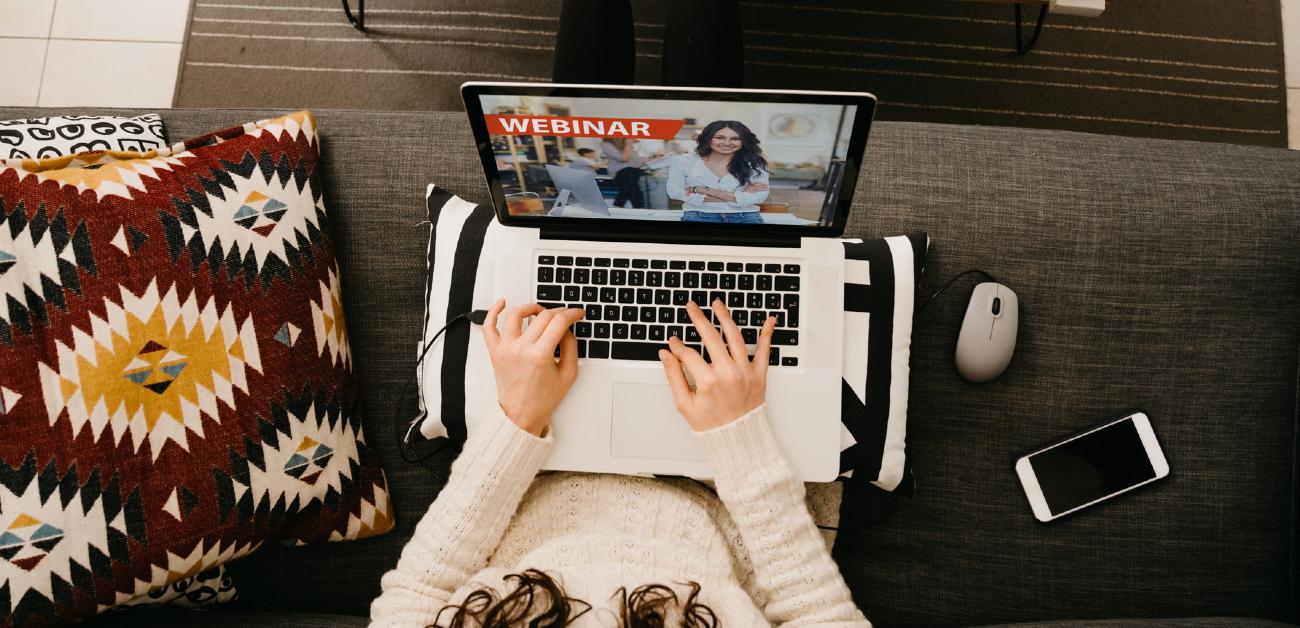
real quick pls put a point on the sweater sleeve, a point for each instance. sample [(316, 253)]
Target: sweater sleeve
[(464, 524), (766, 499)]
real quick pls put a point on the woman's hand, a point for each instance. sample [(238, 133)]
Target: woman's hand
[(756, 187), (729, 387), (530, 381)]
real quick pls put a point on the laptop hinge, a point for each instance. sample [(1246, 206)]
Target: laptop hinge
[(669, 237)]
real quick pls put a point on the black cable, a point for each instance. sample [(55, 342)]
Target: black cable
[(950, 282), (476, 317), (1022, 46)]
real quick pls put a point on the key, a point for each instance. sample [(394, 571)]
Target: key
[(600, 276), (672, 280), (753, 267), (787, 283), (602, 261), (681, 297), (581, 275), (644, 296), (563, 275), (746, 282), (772, 268), (629, 313), (582, 348), (700, 298), (715, 266), (564, 260), (545, 274), (666, 315), (785, 337), (683, 317), (757, 318), (636, 351), (620, 331), (598, 349), (626, 295), (675, 330), (636, 278), (593, 312), (773, 357), (677, 264), (753, 300), (735, 267), (590, 294), (790, 269), (656, 333), (750, 335), (663, 297), (772, 301), (654, 279), (763, 283), (546, 259), (622, 262), (727, 282), (649, 315), (790, 361), (735, 299), (659, 263), (638, 332), (611, 312), (710, 281), (693, 335), (584, 261), (582, 329), (602, 330), (640, 263), (548, 293), (608, 295), (618, 277), (695, 265), (572, 293), (691, 280)]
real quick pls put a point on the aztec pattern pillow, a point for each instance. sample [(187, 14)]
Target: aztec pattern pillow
[(176, 386), (882, 278), (56, 136)]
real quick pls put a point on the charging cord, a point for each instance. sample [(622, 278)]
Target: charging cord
[(404, 441), (974, 271)]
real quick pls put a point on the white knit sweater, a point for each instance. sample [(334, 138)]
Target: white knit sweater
[(756, 554)]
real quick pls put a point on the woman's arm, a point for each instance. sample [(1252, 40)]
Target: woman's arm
[(464, 524), (791, 564), (744, 197)]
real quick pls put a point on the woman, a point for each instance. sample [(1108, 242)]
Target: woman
[(625, 166), (503, 546), (724, 179)]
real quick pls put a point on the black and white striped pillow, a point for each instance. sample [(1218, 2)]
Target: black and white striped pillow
[(881, 281)]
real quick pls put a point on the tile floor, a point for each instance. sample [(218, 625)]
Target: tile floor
[(136, 48)]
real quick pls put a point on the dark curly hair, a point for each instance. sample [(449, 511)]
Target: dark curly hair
[(746, 162), (646, 607)]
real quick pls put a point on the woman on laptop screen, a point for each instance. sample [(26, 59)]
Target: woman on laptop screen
[(724, 179)]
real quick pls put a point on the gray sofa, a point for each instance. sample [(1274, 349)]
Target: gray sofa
[(1153, 274)]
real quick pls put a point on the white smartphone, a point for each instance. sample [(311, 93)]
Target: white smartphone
[(1093, 466)]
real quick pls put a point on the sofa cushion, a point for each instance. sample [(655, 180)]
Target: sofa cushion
[(174, 367), (54, 136)]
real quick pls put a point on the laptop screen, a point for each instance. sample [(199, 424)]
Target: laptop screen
[(718, 158)]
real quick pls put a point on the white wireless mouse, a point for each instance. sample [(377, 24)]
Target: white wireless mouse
[(988, 333)]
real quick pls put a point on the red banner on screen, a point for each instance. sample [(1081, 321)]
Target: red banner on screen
[(574, 126)]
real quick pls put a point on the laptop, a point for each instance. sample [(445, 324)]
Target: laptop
[(760, 232)]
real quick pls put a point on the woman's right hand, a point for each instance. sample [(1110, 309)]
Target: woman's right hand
[(728, 388), (530, 381)]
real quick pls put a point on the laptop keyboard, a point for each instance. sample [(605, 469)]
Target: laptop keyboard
[(634, 304)]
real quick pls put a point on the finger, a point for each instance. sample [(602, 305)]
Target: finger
[(735, 343), (515, 319), (568, 358), (690, 359), (538, 325), (708, 333), (558, 325), (676, 378), (490, 335), (764, 348)]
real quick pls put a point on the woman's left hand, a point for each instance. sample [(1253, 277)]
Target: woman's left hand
[(530, 381), (756, 187)]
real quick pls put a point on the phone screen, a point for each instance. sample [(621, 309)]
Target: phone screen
[(1093, 466)]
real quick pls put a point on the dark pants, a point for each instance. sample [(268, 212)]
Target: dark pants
[(628, 181), (596, 43)]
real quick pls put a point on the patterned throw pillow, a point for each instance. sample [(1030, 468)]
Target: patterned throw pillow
[(176, 386), (55, 136)]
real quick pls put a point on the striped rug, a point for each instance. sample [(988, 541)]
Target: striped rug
[(1187, 69)]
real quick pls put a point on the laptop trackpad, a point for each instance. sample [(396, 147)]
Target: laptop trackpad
[(646, 425)]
